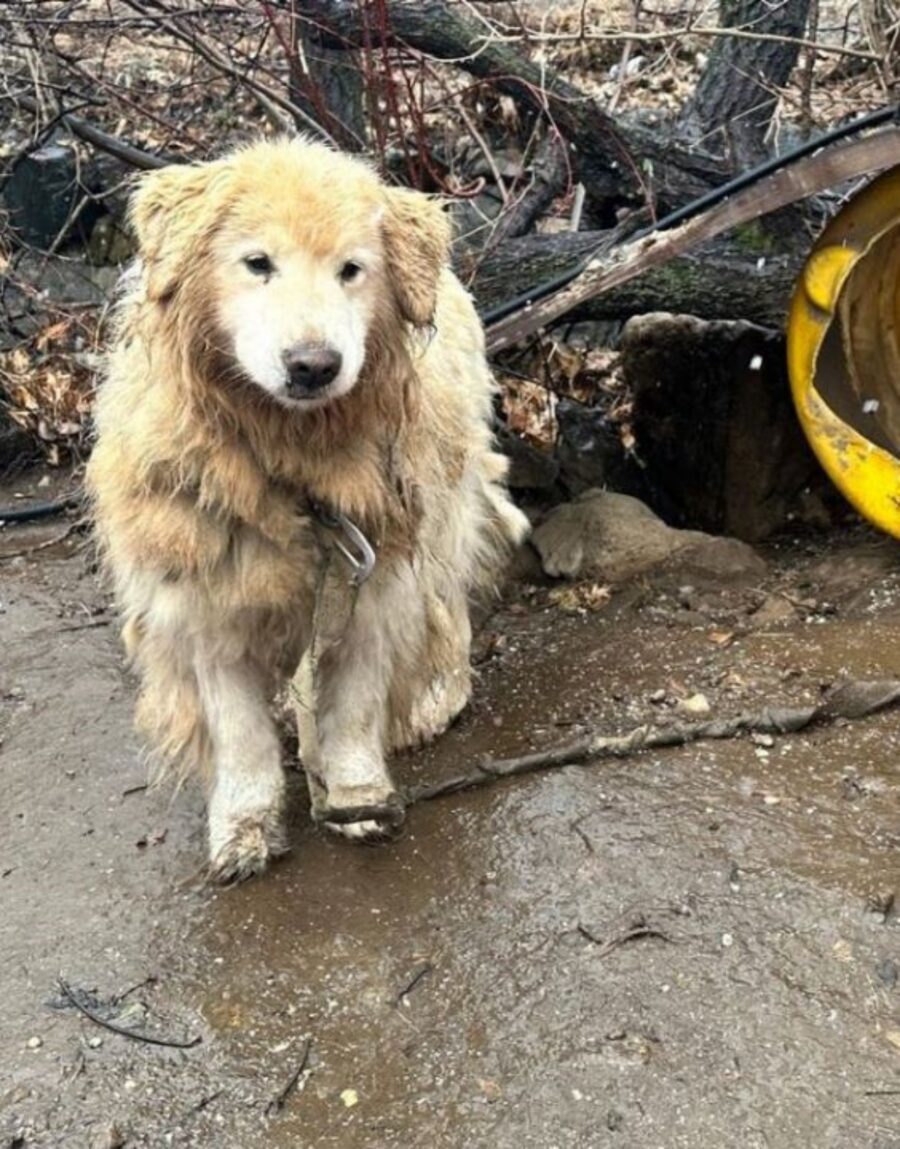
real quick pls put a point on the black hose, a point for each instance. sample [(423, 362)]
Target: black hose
[(39, 510), (709, 199)]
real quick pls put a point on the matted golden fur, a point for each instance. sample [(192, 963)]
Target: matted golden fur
[(293, 331)]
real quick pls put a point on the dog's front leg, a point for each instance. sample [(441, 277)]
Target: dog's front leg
[(247, 798), (354, 678)]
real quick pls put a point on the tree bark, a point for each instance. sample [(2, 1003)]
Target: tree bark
[(736, 95), (616, 159), (328, 85), (722, 281)]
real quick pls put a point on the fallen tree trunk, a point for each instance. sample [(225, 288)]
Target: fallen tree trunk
[(609, 270), (615, 158), (712, 283)]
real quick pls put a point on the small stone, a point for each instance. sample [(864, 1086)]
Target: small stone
[(95, 1042), (765, 740), (349, 1097), (657, 697), (881, 901), (887, 972), (697, 705), (35, 1042), (727, 941), (491, 1090), (774, 611)]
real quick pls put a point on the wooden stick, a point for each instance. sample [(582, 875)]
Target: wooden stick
[(850, 700)]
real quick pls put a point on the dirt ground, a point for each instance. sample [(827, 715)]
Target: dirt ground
[(693, 948)]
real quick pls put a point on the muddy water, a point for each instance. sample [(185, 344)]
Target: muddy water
[(695, 948)]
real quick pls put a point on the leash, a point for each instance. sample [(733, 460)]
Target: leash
[(347, 560)]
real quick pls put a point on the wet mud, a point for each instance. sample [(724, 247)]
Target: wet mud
[(693, 948)]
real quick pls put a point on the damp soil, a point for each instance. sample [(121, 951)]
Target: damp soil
[(698, 947)]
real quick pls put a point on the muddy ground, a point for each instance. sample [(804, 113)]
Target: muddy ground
[(692, 948)]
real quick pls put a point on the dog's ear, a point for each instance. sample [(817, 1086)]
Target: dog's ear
[(171, 213), (417, 245)]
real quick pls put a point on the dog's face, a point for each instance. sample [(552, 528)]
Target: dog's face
[(296, 298), (296, 255)]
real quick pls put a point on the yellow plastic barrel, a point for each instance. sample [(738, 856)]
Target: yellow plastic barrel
[(844, 350)]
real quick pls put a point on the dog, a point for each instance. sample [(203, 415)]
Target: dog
[(292, 338)]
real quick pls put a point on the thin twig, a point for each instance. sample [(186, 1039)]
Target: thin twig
[(278, 1101), (45, 545), (688, 30), (424, 969), (133, 1034), (640, 927), (86, 131), (849, 701), (91, 625)]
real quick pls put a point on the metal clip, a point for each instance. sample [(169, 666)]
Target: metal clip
[(362, 561), (357, 550)]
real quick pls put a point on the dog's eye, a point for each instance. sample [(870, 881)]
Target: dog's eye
[(259, 264), (350, 271)]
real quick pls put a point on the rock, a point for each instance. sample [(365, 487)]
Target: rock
[(41, 193), (774, 611), (17, 448), (529, 468), (719, 558), (609, 536), (613, 537), (590, 451), (67, 281), (715, 426), (697, 706)]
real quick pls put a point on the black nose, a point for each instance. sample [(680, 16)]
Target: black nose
[(310, 367)]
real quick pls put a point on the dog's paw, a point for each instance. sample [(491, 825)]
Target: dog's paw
[(360, 813), (242, 847), (371, 832)]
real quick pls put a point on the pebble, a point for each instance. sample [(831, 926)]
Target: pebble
[(697, 704), (349, 1097), (727, 941), (887, 972), (762, 740), (658, 696), (35, 1042)]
